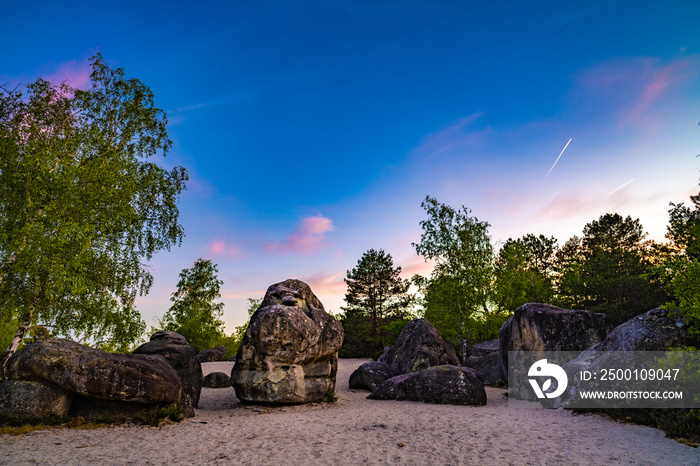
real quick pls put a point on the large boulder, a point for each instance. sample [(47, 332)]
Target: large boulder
[(215, 354), (489, 366), (486, 348), (289, 353), (25, 399), (82, 370), (70, 372), (216, 380), (542, 327), (418, 347), (440, 385), (370, 375), (181, 357), (656, 330)]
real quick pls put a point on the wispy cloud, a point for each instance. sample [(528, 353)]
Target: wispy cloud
[(637, 85), (457, 136), (306, 239)]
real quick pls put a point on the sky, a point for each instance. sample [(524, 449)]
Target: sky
[(313, 130)]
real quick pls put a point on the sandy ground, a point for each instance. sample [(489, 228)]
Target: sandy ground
[(355, 430)]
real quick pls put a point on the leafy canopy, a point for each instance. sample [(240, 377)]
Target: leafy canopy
[(459, 288), (81, 205), (194, 314)]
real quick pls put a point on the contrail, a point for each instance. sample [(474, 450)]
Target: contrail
[(555, 162), (616, 190)]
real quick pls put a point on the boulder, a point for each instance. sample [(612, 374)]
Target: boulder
[(489, 366), (24, 399), (81, 370), (181, 357), (439, 384), (418, 347), (216, 380), (370, 375), (486, 348), (542, 327), (656, 330), (289, 353), (215, 354)]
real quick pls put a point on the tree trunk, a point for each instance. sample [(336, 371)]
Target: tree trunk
[(16, 340)]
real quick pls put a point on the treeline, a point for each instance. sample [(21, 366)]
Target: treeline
[(475, 286)]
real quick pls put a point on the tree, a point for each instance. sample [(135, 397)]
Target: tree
[(460, 285), (684, 227), (569, 282), (81, 206), (524, 272), (616, 272), (376, 297), (233, 341), (681, 269), (194, 314)]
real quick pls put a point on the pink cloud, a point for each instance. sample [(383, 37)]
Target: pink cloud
[(74, 73), (323, 284), (638, 86), (220, 247), (306, 239)]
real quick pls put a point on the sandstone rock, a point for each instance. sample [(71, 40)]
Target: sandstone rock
[(215, 354), (24, 399), (418, 347), (370, 375), (656, 330), (489, 366), (80, 370), (486, 348), (289, 353), (181, 357), (541, 327), (439, 384), (216, 380)]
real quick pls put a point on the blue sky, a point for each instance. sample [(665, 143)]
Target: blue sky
[(313, 130)]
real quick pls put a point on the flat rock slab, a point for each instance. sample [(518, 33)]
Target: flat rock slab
[(81, 370)]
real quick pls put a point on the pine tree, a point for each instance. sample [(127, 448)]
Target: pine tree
[(376, 297)]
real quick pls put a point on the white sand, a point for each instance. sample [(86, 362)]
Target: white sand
[(355, 430)]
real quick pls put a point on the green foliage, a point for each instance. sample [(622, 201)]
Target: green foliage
[(609, 270), (233, 341), (570, 281), (194, 314), (460, 286), (680, 267), (81, 205), (684, 227), (377, 297), (523, 272)]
